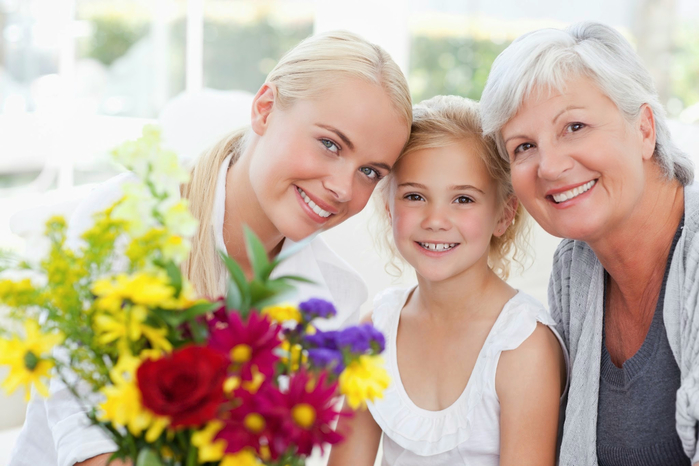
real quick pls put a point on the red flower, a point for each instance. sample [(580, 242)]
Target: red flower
[(186, 386), (247, 423), (247, 344), (304, 415)]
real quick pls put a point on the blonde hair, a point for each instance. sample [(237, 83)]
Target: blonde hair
[(442, 121), (316, 64)]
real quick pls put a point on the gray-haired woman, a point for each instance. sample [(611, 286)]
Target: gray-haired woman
[(591, 158)]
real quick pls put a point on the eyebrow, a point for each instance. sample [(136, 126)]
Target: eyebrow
[(460, 187), (340, 134), (568, 108)]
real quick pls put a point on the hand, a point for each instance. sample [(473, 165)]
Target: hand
[(101, 460)]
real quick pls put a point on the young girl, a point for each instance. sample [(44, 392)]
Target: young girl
[(329, 122), (477, 374)]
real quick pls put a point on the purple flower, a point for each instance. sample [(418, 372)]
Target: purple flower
[(315, 307), (356, 338), (327, 359), (325, 340), (378, 341)]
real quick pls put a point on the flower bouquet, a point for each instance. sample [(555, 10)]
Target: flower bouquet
[(173, 378)]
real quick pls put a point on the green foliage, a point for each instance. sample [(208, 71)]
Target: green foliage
[(112, 36), (450, 65), (685, 68)]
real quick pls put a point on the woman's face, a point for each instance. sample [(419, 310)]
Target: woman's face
[(316, 163), (577, 165)]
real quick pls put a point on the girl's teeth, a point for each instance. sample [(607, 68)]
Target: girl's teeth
[(561, 197), (313, 205), (438, 246)]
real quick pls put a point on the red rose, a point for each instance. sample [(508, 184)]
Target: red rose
[(186, 386)]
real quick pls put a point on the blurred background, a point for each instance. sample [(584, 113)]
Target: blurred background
[(77, 77)]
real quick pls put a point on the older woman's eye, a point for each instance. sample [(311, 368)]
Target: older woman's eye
[(331, 146), (573, 127), (523, 147)]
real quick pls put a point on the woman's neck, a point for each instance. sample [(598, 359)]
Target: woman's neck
[(635, 253), (242, 208)]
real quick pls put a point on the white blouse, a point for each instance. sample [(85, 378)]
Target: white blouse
[(468, 431), (56, 430)]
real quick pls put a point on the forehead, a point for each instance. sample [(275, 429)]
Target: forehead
[(455, 164)]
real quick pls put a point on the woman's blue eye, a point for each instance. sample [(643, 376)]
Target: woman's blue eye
[(371, 173), (463, 200), (331, 146)]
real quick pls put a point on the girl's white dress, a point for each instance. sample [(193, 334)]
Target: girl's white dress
[(468, 431)]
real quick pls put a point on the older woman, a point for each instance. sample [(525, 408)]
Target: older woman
[(591, 159)]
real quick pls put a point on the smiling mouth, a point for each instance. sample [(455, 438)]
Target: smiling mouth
[(437, 246), (572, 193), (314, 207)]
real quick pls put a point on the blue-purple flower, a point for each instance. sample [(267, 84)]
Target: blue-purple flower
[(327, 359), (315, 307)]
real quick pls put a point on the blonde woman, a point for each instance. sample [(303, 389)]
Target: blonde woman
[(476, 371), (326, 126)]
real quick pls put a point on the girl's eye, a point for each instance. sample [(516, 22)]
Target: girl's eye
[(331, 146), (463, 200), (371, 173), (523, 147), (573, 127), (412, 197)]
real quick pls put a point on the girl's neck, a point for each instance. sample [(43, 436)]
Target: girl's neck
[(242, 208), (465, 296)]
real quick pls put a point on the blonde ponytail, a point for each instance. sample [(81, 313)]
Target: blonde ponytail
[(203, 268)]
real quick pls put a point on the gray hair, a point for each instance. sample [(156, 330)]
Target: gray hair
[(548, 57)]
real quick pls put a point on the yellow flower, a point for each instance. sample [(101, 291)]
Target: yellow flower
[(179, 221), (26, 359), (19, 293), (123, 406), (209, 449), (282, 313), (245, 457), (364, 379), (296, 353)]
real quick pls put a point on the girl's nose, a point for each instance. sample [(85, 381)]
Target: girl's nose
[(436, 218)]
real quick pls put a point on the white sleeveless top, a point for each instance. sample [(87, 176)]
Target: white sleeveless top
[(468, 431)]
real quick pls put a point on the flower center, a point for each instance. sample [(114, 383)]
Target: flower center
[(241, 353), (30, 360), (254, 422), (304, 415)]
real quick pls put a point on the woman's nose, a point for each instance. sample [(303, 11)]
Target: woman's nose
[(340, 184), (554, 161), (436, 218)]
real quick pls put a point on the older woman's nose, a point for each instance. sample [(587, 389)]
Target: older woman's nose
[(553, 161), (436, 218)]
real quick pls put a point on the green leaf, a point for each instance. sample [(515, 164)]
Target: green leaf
[(257, 254), (194, 311), (271, 292), (295, 278), (148, 457), (234, 299), (236, 274), (175, 275)]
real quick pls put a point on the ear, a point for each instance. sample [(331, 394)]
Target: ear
[(262, 106), (646, 125), (508, 215)]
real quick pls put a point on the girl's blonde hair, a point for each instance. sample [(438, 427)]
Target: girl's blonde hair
[(315, 65), (442, 121)]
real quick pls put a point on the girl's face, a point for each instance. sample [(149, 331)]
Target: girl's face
[(444, 210), (577, 165), (316, 163)]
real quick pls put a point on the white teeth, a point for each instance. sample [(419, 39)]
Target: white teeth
[(560, 197), (438, 246), (313, 205)]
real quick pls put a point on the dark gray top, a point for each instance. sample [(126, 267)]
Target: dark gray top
[(636, 410)]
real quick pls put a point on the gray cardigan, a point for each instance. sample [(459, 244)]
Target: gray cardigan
[(576, 290)]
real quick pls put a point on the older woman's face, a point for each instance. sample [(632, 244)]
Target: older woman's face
[(577, 165)]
